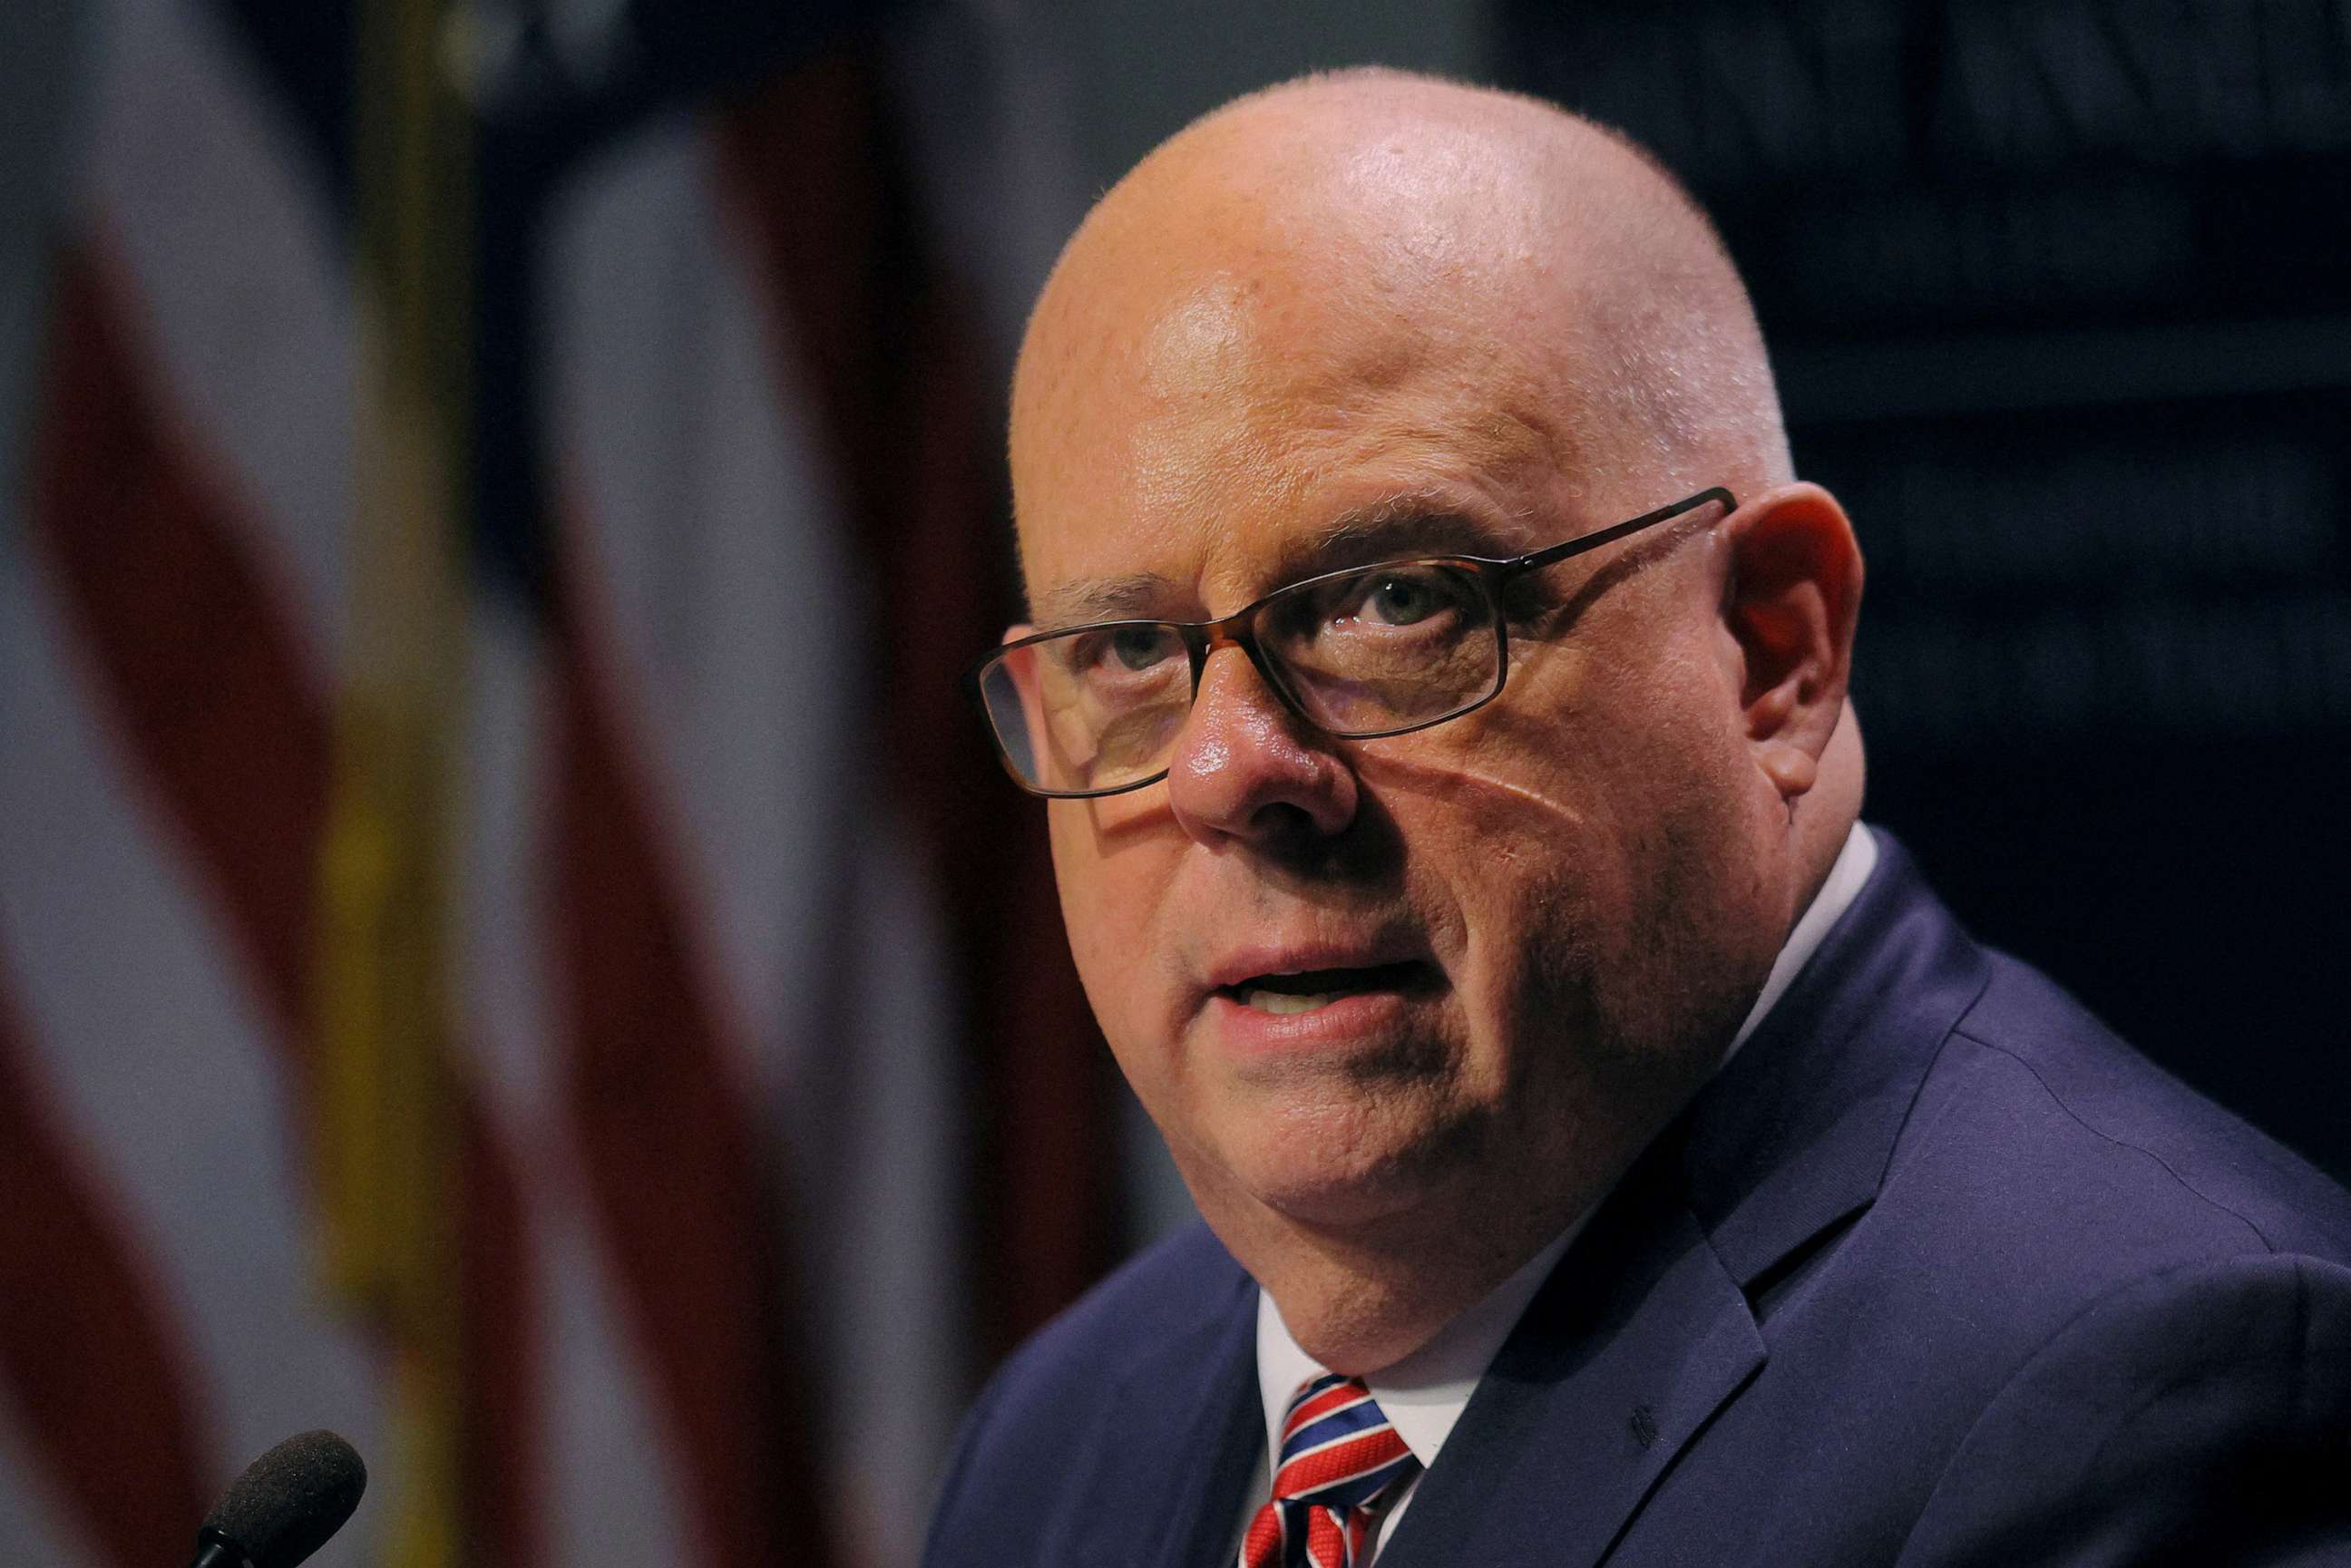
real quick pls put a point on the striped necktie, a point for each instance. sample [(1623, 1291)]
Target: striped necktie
[(1341, 1463)]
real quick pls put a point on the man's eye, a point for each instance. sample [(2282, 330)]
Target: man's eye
[(1398, 598), (1399, 601), (1140, 647), (1132, 650)]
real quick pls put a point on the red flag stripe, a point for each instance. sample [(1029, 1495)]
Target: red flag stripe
[(88, 1356), (191, 652), (682, 1198), (898, 388), (227, 732), (503, 1457)]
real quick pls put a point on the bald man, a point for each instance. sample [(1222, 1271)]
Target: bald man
[(1608, 1148)]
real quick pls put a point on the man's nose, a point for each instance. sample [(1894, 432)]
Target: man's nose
[(1247, 768)]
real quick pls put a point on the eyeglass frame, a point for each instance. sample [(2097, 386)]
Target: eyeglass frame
[(1202, 638)]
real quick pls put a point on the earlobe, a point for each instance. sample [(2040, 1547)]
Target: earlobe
[(1791, 597), (1792, 769)]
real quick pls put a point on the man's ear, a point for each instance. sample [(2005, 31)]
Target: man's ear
[(1791, 598)]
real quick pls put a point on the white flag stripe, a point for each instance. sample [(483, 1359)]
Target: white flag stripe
[(37, 1524), (167, 1070), (881, 1227), (155, 1050), (158, 1055), (220, 220), (615, 1492), (709, 543), (612, 1493), (667, 580), (501, 951), (713, 540)]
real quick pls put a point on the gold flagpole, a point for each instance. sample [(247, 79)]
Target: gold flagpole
[(388, 1146)]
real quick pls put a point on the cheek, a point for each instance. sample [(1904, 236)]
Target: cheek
[(1110, 899), (1081, 875), (1550, 905), (1516, 868), (1582, 826)]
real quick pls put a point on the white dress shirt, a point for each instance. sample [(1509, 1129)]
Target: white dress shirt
[(1425, 1393)]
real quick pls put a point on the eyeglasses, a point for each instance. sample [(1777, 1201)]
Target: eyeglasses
[(1359, 653)]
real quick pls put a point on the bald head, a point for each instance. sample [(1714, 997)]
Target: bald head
[(1365, 223)]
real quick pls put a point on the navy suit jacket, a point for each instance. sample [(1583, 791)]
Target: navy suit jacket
[(1935, 1272)]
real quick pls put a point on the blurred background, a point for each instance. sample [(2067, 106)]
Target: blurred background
[(510, 945)]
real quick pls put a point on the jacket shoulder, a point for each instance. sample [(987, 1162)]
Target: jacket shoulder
[(2038, 1064), (1169, 1289), (2041, 1264), (2196, 1414), (1039, 1418)]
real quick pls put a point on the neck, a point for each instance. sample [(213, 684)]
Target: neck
[(1358, 1305), (1361, 1294)]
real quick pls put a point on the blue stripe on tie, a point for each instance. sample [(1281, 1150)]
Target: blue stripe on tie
[(1347, 1423)]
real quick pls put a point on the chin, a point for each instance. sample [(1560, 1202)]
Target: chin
[(1347, 1167)]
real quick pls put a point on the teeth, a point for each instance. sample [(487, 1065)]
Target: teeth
[(1265, 1001)]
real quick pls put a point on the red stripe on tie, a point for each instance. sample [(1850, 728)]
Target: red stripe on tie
[(1328, 1402), (1261, 1547), (86, 1355), (1325, 1546), (1311, 1472)]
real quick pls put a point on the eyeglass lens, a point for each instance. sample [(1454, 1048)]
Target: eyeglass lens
[(1358, 653)]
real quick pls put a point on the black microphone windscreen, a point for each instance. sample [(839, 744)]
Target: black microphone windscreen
[(287, 1503)]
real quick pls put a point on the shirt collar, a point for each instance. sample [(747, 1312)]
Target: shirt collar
[(1424, 1395), (1853, 863)]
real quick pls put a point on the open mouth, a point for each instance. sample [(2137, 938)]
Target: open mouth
[(1308, 989)]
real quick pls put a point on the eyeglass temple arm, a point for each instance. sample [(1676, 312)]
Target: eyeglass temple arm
[(1611, 534)]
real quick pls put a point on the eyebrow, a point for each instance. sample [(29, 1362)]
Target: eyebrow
[(1138, 595), (1394, 529)]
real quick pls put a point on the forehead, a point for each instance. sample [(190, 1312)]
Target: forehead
[(1206, 436)]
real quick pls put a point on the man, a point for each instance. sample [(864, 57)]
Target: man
[(1608, 1149)]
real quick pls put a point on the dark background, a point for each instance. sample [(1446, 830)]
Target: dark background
[(2058, 297)]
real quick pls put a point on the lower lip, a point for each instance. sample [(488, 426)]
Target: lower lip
[(1351, 1020)]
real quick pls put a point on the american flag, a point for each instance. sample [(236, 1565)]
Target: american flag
[(566, 1033)]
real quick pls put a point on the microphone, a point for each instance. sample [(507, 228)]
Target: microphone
[(284, 1506)]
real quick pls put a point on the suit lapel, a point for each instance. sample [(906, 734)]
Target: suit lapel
[(1648, 1326), (1797, 1133), (1637, 1340), (1174, 1448)]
